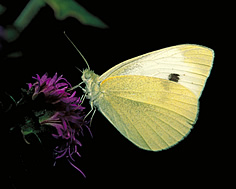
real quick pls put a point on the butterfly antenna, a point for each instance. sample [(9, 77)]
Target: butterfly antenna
[(77, 50), (78, 69)]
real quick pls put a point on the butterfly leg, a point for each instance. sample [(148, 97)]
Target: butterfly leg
[(92, 117), (82, 99), (92, 108), (76, 86)]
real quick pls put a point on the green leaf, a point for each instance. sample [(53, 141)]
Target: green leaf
[(2, 9), (70, 8)]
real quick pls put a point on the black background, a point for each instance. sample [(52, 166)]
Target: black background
[(108, 159)]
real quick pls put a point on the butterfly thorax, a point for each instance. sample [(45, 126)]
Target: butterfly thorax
[(90, 79)]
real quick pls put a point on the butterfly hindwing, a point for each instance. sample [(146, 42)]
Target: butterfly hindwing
[(151, 112)]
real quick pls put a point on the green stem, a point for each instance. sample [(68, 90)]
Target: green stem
[(22, 21), (28, 14)]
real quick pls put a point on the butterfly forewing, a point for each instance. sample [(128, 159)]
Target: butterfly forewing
[(192, 64)]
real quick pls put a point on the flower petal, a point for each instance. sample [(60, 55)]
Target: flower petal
[(76, 168), (53, 80), (58, 85), (43, 79), (30, 85)]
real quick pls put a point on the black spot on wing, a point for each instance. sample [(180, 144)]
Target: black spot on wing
[(173, 77)]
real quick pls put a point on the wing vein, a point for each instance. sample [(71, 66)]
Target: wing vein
[(156, 105), (124, 114)]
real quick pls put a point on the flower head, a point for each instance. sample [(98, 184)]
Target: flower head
[(52, 105)]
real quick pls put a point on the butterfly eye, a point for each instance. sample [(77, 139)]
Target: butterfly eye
[(87, 75)]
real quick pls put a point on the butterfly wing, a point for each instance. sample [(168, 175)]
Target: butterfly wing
[(152, 113), (189, 65)]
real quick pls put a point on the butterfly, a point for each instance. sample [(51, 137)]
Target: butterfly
[(152, 99)]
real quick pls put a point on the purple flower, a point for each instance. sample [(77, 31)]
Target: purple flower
[(59, 108)]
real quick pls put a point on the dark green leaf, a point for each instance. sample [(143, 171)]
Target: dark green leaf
[(70, 8)]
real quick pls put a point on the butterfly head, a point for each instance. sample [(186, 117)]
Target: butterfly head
[(88, 75), (90, 79)]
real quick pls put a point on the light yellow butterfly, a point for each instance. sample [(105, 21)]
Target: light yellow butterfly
[(152, 99)]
